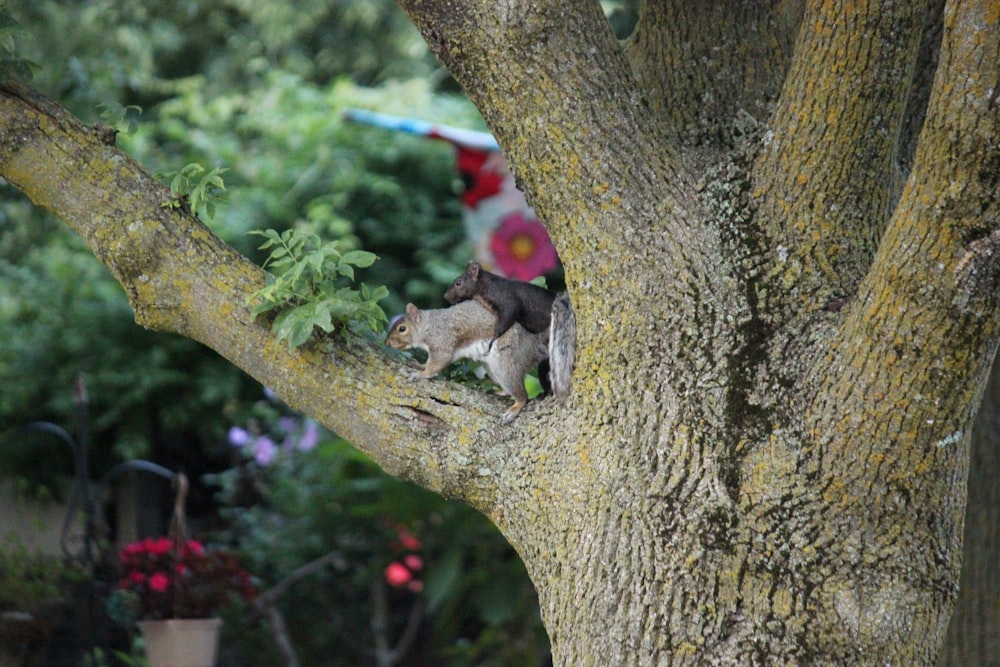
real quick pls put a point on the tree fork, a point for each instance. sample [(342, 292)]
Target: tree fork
[(659, 524)]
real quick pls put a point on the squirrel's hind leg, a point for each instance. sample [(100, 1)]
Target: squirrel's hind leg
[(512, 412), (520, 396)]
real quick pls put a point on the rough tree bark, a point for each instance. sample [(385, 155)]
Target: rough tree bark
[(779, 222), (974, 631)]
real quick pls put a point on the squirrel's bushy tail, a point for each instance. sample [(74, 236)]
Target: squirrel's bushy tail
[(562, 347)]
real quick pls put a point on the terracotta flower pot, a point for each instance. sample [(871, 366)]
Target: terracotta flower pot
[(191, 642)]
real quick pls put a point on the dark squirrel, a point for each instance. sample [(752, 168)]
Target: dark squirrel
[(534, 308), (510, 300)]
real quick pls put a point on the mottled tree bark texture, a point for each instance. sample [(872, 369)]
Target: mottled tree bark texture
[(974, 632), (779, 223)]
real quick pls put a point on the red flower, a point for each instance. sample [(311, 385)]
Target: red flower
[(181, 581), (480, 180), (397, 574), (407, 540), (158, 547), (522, 248), (159, 582)]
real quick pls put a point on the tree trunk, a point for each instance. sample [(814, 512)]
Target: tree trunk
[(786, 297), (974, 632)]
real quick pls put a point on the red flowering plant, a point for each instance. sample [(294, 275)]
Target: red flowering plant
[(522, 248), (404, 572), (165, 578)]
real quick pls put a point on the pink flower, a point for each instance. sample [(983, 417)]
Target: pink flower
[(158, 546), (159, 582), (193, 547), (181, 580), (414, 562), (522, 248), (397, 574), (407, 539), (133, 549)]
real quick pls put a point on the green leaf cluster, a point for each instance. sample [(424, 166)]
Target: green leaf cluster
[(306, 287), (198, 187), (12, 66), (31, 581), (143, 53), (122, 119), (295, 162), (63, 316)]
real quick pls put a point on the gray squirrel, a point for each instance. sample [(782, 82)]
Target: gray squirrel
[(533, 307), (464, 331)]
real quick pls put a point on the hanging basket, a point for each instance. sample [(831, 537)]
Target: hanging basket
[(188, 642)]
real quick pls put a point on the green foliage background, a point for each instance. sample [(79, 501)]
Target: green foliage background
[(292, 161), (257, 87)]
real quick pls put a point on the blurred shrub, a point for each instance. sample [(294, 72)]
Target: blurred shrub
[(295, 495)]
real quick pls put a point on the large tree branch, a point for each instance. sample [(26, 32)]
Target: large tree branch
[(702, 65), (181, 278), (935, 278), (838, 122), (920, 88), (900, 380)]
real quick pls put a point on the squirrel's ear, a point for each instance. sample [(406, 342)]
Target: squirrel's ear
[(413, 312), (472, 268)]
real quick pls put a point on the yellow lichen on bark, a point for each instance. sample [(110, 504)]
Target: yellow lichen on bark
[(834, 129), (763, 458)]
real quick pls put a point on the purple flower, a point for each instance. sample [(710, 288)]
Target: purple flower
[(238, 437), (310, 436), (264, 450)]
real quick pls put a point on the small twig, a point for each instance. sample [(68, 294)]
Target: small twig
[(271, 595), (379, 623), (266, 605), (275, 621), (384, 656)]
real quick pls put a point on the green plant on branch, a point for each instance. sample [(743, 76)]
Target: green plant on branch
[(121, 118), (199, 188), (307, 287), (12, 66)]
